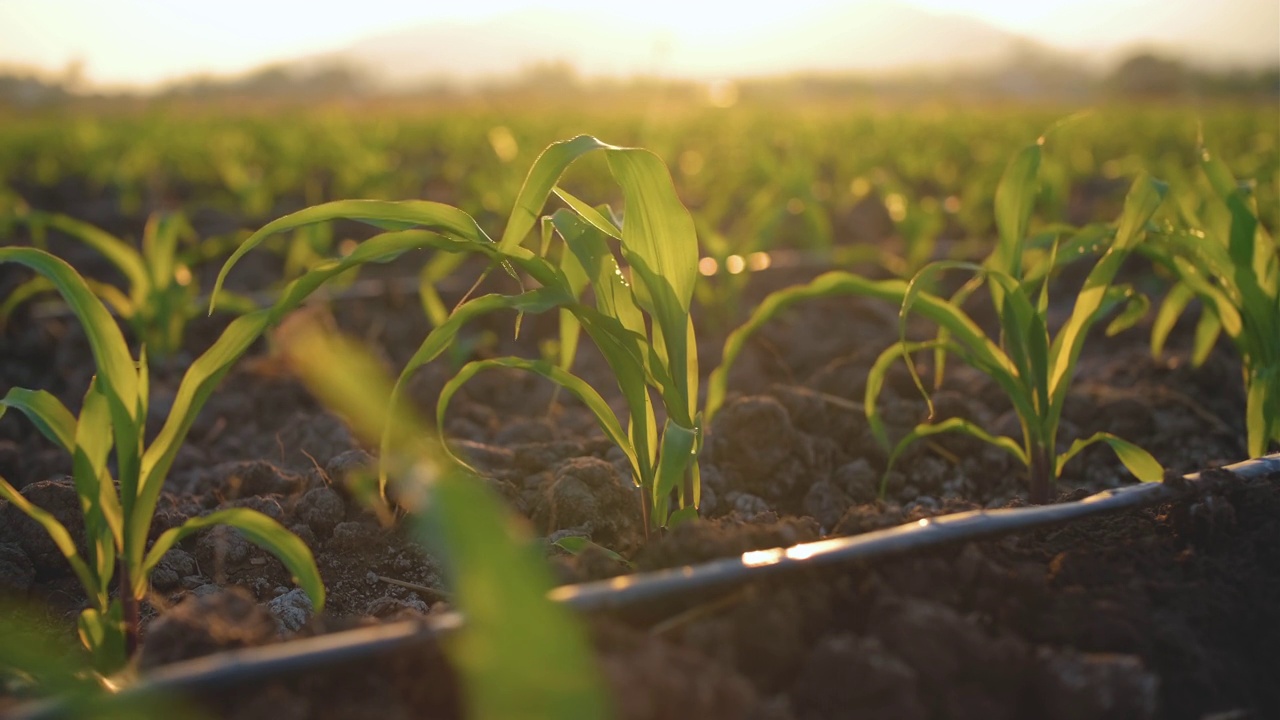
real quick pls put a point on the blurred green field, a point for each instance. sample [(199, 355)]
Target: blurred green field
[(755, 177)]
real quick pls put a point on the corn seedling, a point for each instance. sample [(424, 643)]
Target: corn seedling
[(118, 510), (1228, 260), (641, 325), (161, 296), (519, 654), (1033, 369)]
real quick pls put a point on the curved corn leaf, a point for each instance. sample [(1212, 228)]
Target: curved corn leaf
[(46, 412), (514, 638), (1208, 328), (660, 244), (126, 259), (1262, 409), (432, 217), (677, 453), (110, 352), (197, 385), (956, 425), (1145, 196), (102, 632), (772, 306), (538, 184), (1015, 199), (576, 545), (442, 337), (1138, 461), (22, 293), (879, 371), (99, 503), (1171, 308), (61, 538), (259, 530), (1136, 307), (576, 386)]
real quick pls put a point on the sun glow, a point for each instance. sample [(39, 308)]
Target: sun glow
[(143, 42)]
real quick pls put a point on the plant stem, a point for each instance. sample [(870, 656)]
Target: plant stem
[(1041, 476), (646, 511), (129, 614)]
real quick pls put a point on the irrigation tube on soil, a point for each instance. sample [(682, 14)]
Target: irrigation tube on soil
[(258, 664)]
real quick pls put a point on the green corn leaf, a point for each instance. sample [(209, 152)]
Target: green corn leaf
[(127, 260), (1015, 199), (1136, 307), (1218, 302), (576, 386), (110, 353), (1138, 461), (660, 244), (159, 247), (432, 217), (103, 514), (1208, 327), (538, 184), (570, 330), (683, 515), (235, 303), (257, 529), (21, 294), (197, 385), (46, 412), (437, 269), (442, 337), (956, 425), (1244, 224), (1144, 197), (926, 277), (514, 638), (588, 245), (626, 353), (674, 458), (1008, 381), (837, 283), (31, 648), (1171, 308), (1015, 370), (102, 631), (618, 330), (576, 545), (1262, 410), (57, 532), (596, 217)]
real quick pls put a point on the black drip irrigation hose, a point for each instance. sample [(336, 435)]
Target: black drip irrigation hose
[(230, 668)]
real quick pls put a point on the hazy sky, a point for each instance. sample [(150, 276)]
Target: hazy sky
[(142, 42)]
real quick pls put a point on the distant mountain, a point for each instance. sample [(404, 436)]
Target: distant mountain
[(866, 37)]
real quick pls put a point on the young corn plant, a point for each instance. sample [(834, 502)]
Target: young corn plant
[(1225, 258), (1033, 368), (161, 297), (641, 324), (519, 654), (109, 433)]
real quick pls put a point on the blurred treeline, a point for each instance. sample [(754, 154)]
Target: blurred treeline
[(1143, 76)]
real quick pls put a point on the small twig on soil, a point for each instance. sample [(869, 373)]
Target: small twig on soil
[(437, 594), (1165, 393), (828, 398), (944, 453), (699, 611)]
